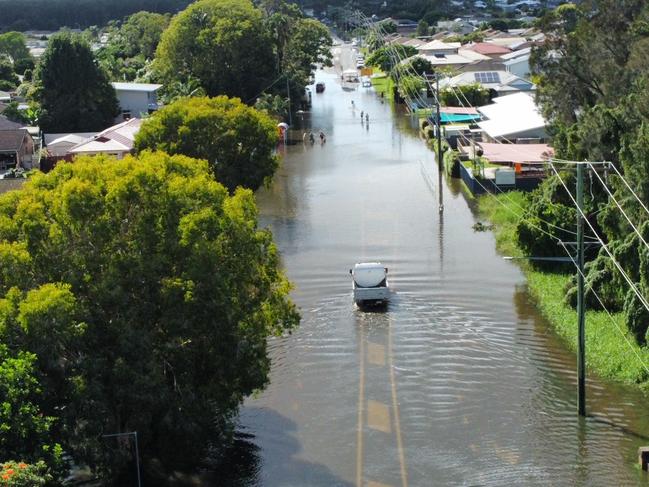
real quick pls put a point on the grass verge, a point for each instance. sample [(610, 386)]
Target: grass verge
[(610, 350), (383, 84)]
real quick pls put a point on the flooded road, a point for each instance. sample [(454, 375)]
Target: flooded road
[(458, 381)]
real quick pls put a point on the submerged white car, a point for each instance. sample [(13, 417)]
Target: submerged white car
[(370, 283)]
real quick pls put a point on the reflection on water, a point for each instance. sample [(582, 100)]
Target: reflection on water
[(458, 381)]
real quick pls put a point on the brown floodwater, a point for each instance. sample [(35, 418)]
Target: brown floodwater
[(458, 381)]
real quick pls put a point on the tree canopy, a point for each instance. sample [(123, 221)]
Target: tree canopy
[(13, 45), (385, 57), (593, 82), (73, 91), (132, 45), (136, 295), (237, 141), (223, 44)]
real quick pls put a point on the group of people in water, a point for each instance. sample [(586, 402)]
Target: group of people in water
[(311, 138), (367, 115)]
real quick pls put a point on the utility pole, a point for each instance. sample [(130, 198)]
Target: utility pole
[(440, 157), (581, 341), (288, 92)]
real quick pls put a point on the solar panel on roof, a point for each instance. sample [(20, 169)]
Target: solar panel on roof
[(487, 77)]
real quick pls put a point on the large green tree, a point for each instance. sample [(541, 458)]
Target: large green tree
[(237, 141), (72, 89), (386, 57), (596, 100), (222, 43), (146, 293), (13, 45)]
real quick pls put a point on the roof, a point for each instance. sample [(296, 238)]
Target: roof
[(53, 139), (12, 140), (118, 138), (516, 54), (516, 60), (506, 41), (511, 114), (459, 110), (437, 45), (148, 87), (457, 117), (445, 59), (6, 124), (497, 80), (488, 49), (515, 152), (472, 55)]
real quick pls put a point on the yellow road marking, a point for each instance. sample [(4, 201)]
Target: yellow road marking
[(375, 354), (371, 483), (507, 456), (359, 431), (378, 416), (395, 407)]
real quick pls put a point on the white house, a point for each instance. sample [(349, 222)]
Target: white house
[(136, 99), (513, 118)]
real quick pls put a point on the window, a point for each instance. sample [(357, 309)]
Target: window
[(487, 77)]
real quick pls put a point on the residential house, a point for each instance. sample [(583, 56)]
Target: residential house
[(518, 62), (136, 100), (116, 141), (513, 118), (437, 47), (58, 145), (488, 49), (498, 82), (16, 149)]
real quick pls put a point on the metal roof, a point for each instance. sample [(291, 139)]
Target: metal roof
[(147, 87)]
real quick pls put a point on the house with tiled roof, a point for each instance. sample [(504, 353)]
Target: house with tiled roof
[(488, 49), (117, 141)]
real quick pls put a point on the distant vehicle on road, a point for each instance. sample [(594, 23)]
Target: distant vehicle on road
[(319, 87), (366, 83), (370, 283), (360, 64)]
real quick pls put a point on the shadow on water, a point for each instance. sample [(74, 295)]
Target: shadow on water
[(248, 466)]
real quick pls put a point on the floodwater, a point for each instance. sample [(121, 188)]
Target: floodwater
[(459, 381)]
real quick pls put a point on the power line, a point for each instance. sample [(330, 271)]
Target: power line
[(629, 187), (604, 246), (601, 303), (608, 191)]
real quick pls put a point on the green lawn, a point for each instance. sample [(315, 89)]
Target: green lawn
[(383, 84)]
